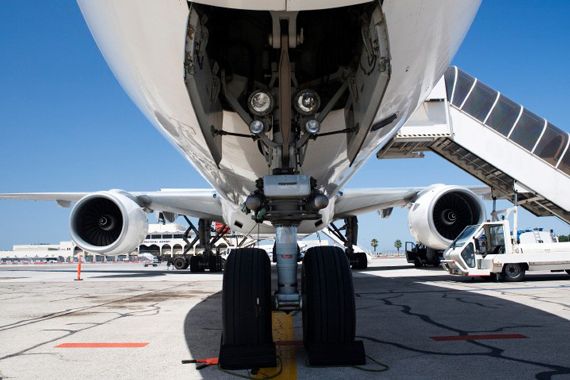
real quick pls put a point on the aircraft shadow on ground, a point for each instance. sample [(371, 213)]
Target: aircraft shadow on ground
[(399, 317)]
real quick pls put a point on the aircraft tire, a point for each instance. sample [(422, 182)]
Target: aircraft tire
[(247, 340), (195, 264), (329, 312), (513, 272), (362, 260), (328, 296), (180, 263), (215, 263)]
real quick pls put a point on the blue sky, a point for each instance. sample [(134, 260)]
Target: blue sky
[(66, 125)]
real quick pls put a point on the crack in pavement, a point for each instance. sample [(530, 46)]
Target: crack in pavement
[(153, 308), (66, 312), (492, 351)]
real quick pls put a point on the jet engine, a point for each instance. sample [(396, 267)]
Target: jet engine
[(108, 222), (441, 212)]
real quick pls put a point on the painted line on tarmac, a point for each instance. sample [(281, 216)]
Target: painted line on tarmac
[(477, 337), (283, 335), (102, 345)]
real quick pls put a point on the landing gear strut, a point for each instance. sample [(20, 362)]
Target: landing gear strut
[(357, 260), (208, 259)]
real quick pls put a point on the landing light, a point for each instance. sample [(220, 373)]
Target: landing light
[(307, 102), (260, 103), (313, 127), (256, 127)]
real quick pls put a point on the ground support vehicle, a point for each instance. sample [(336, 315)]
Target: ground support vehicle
[(489, 249)]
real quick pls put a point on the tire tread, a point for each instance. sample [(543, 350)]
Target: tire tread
[(329, 314)]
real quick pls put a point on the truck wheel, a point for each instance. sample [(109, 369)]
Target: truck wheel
[(513, 272), (180, 263)]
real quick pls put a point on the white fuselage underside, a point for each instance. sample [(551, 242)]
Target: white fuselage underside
[(143, 42)]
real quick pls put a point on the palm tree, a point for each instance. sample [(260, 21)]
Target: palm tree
[(374, 244), (398, 245)]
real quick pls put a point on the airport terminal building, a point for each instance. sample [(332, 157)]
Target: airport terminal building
[(162, 240)]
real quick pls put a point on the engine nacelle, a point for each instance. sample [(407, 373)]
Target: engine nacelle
[(441, 212), (108, 222)]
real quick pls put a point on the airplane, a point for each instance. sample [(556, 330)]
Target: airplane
[(277, 104)]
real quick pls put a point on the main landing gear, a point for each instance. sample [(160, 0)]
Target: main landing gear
[(357, 260), (208, 259), (328, 307)]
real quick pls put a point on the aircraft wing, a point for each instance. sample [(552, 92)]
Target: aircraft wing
[(62, 199), (199, 203), (360, 201)]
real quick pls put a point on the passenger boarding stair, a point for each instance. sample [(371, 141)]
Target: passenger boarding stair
[(493, 138)]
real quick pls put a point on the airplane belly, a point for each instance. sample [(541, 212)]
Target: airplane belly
[(145, 44), (424, 37)]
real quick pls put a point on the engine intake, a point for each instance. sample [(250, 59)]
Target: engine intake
[(439, 214), (109, 223)]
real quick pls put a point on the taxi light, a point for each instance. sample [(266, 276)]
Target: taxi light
[(260, 103), (307, 102), (256, 127), (313, 127)]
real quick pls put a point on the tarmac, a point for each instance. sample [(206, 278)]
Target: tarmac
[(124, 321)]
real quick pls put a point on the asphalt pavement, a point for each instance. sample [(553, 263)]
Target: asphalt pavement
[(124, 321)]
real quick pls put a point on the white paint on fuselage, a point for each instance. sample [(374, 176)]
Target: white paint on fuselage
[(143, 42)]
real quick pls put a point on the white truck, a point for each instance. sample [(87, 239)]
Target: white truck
[(489, 249)]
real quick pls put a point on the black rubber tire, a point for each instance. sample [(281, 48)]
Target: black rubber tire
[(180, 263), (359, 261), (274, 253), (215, 263), (195, 266), (329, 314), (432, 257), (513, 272), (418, 263), (246, 298), (362, 260)]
